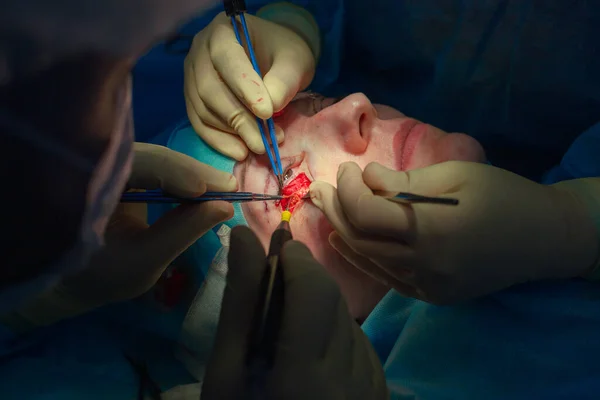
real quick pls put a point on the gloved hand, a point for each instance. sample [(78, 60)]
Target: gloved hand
[(506, 229), (322, 353), (222, 90), (135, 254)]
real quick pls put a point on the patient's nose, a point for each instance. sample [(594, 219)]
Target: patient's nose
[(356, 114)]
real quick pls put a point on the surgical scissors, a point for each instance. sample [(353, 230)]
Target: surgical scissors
[(231, 197), (233, 8)]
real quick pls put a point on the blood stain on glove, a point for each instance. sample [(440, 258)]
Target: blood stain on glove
[(293, 192)]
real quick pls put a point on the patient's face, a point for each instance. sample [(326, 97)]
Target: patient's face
[(322, 133)]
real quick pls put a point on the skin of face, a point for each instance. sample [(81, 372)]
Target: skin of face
[(320, 134)]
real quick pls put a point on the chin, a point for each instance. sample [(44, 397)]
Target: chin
[(360, 291)]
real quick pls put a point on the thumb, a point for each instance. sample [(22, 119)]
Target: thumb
[(290, 73), (175, 231), (433, 180), (176, 173)]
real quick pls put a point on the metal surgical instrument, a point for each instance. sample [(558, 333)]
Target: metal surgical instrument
[(411, 198), (234, 8), (231, 197)]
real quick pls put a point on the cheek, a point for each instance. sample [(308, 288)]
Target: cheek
[(359, 290), (460, 147), (439, 147), (310, 227)]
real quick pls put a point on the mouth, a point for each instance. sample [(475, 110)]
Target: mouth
[(407, 139)]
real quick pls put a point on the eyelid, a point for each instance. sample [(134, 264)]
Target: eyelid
[(319, 99), (292, 162)]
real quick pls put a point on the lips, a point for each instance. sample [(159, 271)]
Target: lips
[(407, 139)]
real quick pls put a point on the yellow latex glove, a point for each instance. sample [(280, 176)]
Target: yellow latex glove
[(223, 93), (506, 229), (321, 352), (135, 254)]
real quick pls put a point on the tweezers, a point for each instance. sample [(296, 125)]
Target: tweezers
[(231, 197), (411, 198), (235, 8)]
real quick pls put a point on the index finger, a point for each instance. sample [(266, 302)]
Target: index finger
[(312, 300), (158, 167), (233, 65), (367, 212)]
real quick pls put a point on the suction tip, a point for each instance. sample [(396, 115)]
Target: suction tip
[(286, 216)]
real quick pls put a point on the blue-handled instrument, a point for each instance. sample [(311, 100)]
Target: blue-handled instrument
[(234, 9), (231, 197)]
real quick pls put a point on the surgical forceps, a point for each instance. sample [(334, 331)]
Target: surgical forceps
[(411, 198), (231, 197), (234, 8)]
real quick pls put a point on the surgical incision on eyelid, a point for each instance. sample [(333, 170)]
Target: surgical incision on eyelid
[(293, 192)]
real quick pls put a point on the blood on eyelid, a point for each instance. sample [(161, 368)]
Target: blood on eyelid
[(293, 192)]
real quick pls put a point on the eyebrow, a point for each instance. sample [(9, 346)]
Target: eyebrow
[(308, 95), (338, 99), (304, 96)]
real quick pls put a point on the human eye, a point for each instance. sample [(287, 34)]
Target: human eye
[(290, 163)]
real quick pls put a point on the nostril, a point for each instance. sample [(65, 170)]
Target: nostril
[(361, 124)]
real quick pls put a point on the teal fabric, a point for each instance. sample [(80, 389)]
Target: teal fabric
[(183, 139)]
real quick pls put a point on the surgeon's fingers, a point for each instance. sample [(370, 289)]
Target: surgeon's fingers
[(312, 299), (367, 212), (401, 282), (157, 167), (434, 180), (225, 371), (224, 142), (234, 66), (325, 197), (219, 99), (290, 73), (162, 242), (375, 247), (197, 105)]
